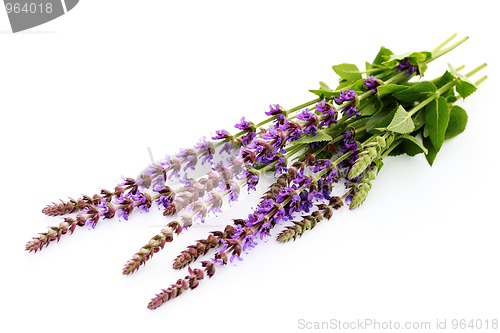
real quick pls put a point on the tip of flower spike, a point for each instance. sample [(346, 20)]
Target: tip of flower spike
[(33, 246), (156, 302)]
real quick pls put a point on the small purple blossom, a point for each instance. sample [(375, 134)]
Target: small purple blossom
[(280, 215), (107, 209), (163, 200), (284, 193), (264, 230), (234, 191), (332, 176), (405, 65), (348, 199), (90, 223), (280, 121), (125, 206), (305, 115), (310, 122), (305, 202), (349, 142), (221, 134), (280, 166), (243, 125), (214, 202), (320, 165), (293, 131), (346, 95), (141, 201), (273, 110), (329, 115), (205, 151), (318, 144), (171, 164), (276, 137), (371, 83), (247, 139), (350, 111), (301, 180), (263, 208), (198, 211), (123, 213), (187, 157), (226, 148), (249, 241)]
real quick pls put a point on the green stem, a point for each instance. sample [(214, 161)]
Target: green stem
[(481, 80), (443, 44), (441, 52), (433, 97), (475, 70), (391, 148)]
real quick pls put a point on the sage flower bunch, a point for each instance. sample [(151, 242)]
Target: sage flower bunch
[(334, 143)]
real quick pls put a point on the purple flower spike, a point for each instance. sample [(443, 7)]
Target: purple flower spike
[(405, 65)]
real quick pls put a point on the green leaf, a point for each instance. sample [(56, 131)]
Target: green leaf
[(413, 146), (380, 120), (458, 121), (407, 147), (383, 55), (402, 122), (349, 72), (323, 94), (324, 86), (431, 151), (358, 85), (370, 105), (419, 59), (437, 117), (420, 56), (419, 120), (319, 137), (387, 89), (465, 88), (447, 77), (416, 92)]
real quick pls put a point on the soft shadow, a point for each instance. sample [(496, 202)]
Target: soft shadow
[(6, 32)]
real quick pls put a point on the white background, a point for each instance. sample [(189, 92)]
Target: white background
[(83, 96)]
